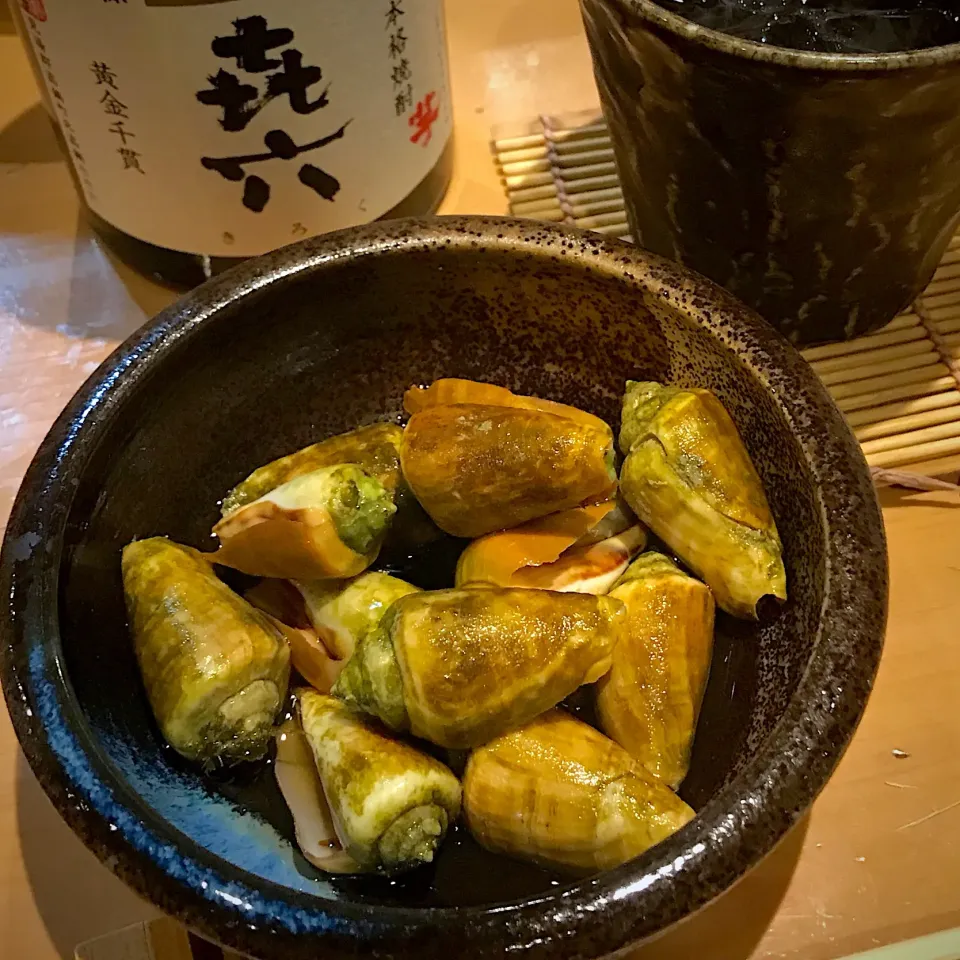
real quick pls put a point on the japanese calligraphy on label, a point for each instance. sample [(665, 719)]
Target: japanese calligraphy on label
[(231, 127)]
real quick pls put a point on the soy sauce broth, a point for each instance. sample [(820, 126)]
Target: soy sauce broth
[(463, 873)]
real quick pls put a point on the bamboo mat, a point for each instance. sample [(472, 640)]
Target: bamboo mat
[(899, 388)]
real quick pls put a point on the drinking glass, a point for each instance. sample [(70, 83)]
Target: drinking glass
[(820, 188)]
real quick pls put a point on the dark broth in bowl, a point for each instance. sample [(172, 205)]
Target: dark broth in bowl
[(463, 873)]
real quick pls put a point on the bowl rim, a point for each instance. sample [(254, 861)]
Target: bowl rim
[(730, 834)]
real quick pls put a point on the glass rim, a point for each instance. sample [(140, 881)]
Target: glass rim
[(650, 11)]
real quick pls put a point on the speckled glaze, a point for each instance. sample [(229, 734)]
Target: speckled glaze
[(320, 337), (821, 189)]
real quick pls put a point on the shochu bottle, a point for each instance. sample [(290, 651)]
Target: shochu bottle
[(202, 132)]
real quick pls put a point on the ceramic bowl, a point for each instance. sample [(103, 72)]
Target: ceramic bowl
[(323, 336)]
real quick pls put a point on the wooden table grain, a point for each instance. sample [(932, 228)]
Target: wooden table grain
[(878, 858)]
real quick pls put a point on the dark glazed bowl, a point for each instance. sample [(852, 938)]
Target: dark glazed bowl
[(819, 188), (325, 335)]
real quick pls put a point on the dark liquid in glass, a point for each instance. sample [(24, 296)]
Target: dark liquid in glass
[(829, 26)]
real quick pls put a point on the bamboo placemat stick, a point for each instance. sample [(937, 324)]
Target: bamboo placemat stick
[(878, 371), (951, 256), (904, 441), (573, 133), (946, 278), (942, 313), (561, 160), (525, 153), (604, 220), (913, 421), (937, 467), (532, 193), (609, 194), (949, 325), (949, 297), (897, 352), (619, 230), (920, 388), (580, 185), (873, 385), (537, 179), (545, 209), (900, 330), (903, 408), (530, 180), (552, 215), (911, 454), (566, 146)]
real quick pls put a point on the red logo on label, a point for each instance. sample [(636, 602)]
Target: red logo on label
[(423, 119), (35, 8)]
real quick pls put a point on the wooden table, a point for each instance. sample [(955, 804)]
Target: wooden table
[(878, 859)]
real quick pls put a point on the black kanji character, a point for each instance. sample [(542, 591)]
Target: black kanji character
[(131, 159), (401, 72), (294, 80), (239, 101), (394, 14), (280, 146), (228, 92), (398, 43), (403, 101), (250, 44), (256, 194), (103, 74), (113, 107), (319, 181), (121, 131)]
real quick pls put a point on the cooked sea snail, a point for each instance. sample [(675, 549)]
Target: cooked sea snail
[(326, 524), (583, 550), (390, 804), (215, 668), (299, 782), (688, 477), (327, 618), (374, 448), (457, 667), (554, 593), (558, 792), (479, 458), (650, 700), (343, 612)]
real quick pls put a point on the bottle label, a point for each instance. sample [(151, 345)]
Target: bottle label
[(231, 127)]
